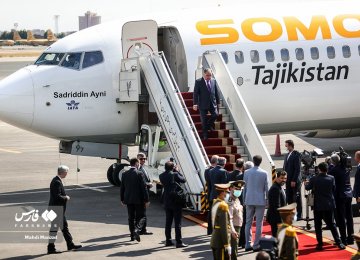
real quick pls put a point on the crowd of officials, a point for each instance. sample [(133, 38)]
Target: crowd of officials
[(236, 199)]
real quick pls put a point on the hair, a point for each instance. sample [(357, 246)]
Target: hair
[(357, 154), (328, 159), (133, 161), (221, 161), (248, 165), (169, 166), (207, 70), (214, 159), (290, 142), (262, 255), (62, 168), (281, 173), (323, 167), (239, 163), (335, 159), (140, 155), (257, 159)]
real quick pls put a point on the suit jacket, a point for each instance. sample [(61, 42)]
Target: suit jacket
[(57, 193), (256, 186), (292, 166), (202, 97), (218, 175), (235, 175), (133, 187), (146, 177), (277, 199), (323, 186), (208, 181), (356, 190), (166, 181), (342, 182)]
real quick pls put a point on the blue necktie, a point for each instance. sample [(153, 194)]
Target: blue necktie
[(208, 85)]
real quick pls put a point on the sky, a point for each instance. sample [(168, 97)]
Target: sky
[(39, 14)]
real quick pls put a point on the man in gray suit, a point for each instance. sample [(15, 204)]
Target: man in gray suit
[(256, 194), (206, 99)]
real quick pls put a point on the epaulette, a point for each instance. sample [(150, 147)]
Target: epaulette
[(223, 206), (290, 232)]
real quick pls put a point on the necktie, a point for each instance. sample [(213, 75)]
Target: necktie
[(208, 85)]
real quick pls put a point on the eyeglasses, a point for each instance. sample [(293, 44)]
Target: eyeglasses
[(142, 159)]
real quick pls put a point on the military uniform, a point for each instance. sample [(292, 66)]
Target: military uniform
[(357, 240), (288, 240), (220, 238)]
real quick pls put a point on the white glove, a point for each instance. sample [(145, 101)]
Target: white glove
[(228, 249)]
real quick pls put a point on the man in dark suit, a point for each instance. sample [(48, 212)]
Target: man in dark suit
[(58, 198), (213, 161), (343, 198), (238, 173), (134, 194), (142, 158), (277, 200), (292, 166), (173, 211), (356, 189), (206, 99), (323, 187), (218, 175)]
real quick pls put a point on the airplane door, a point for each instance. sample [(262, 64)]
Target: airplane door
[(139, 34)]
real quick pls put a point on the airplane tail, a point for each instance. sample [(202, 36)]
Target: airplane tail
[(30, 36), (16, 36), (51, 36)]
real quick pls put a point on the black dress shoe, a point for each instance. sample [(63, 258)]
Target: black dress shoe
[(169, 243), (146, 233), (74, 247), (137, 236), (132, 238), (350, 241), (180, 245), (50, 252), (341, 246), (319, 247)]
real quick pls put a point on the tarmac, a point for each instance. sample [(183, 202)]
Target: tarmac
[(96, 218)]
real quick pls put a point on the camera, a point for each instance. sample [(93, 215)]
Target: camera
[(308, 159), (345, 159)]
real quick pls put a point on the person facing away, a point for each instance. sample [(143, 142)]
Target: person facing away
[(256, 193), (277, 200), (343, 199), (213, 162), (218, 175), (142, 159), (206, 99), (58, 198), (173, 211), (356, 189), (238, 173), (134, 194), (292, 166), (323, 188)]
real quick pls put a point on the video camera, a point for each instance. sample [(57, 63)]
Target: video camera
[(308, 159), (345, 159)]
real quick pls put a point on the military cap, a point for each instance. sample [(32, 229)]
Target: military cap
[(357, 237), (237, 184), (223, 187), (288, 208)]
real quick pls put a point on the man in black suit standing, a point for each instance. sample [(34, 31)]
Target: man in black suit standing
[(134, 194), (323, 187), (277, 200), (142, 158), (213, 161), (218, 175), (356, 189), (292, 166), (206, 99), (173, 211), (58, 198)]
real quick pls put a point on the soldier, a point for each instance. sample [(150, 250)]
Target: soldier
[(357, 240), (288, 241), (220, 238)]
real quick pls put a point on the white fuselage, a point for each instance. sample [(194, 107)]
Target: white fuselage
[(282, 55)]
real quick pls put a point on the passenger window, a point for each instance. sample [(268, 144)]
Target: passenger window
[(72, 61), (254, 55), (269, 55), (284, 54), (346, 51), (359, 49), (299, 53), (314, 53), (330, 52), (239, 56), (92, 58), (225, 56)]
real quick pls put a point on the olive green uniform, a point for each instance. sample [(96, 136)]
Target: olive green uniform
[(288, 242)]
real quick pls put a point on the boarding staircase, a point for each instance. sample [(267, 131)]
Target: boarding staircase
[(182, 125)]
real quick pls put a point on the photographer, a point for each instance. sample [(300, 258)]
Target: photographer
[(343, 198)]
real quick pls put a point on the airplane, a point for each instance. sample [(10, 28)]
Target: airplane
[(18, 40), (296, 65), (51, 38)]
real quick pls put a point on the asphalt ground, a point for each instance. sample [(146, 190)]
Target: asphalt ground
[(28, 162)]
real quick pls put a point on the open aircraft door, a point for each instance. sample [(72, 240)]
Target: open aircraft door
[(139, 35)]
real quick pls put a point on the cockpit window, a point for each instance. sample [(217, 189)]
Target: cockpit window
[(72, 61), (49, 59), (92, 58)]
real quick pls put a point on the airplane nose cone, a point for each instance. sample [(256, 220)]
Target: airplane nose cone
[(17, 99)]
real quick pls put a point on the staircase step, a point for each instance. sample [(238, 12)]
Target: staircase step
[(218, 125), (196, 118), (187, 95), (230, 158), (218, 141), (222, 110), (189, 102), (236, 141), (230, 149)]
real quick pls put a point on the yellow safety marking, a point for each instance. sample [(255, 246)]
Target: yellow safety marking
[(196, 220), (273, 173)]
